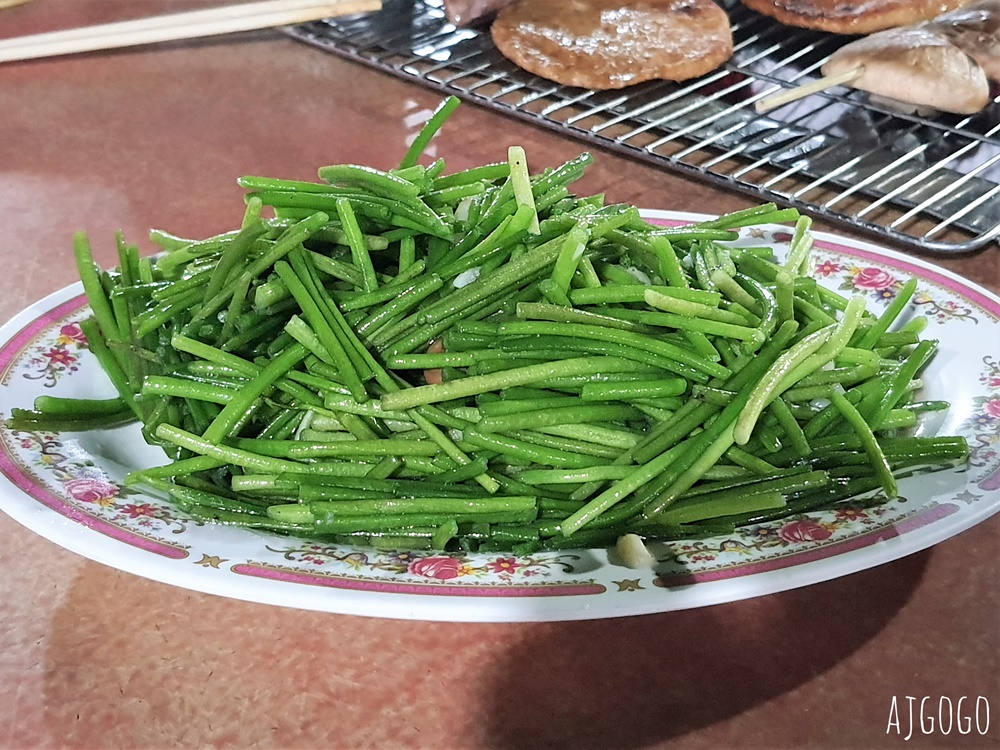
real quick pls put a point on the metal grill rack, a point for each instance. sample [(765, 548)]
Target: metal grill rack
[(929, 183)]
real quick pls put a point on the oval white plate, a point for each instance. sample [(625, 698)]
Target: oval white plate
[(67, 488)]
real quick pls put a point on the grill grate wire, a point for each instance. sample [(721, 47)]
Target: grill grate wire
[(928, 183)]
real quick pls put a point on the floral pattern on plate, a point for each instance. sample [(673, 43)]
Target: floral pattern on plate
[(56, 355), (56, 483), (883, 285), (88, 486)]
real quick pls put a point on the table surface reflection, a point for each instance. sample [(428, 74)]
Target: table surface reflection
[(92, 658)]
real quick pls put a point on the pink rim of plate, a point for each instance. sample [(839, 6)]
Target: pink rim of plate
[(11, 350)]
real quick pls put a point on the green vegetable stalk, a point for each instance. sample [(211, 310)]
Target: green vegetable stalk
[(483, 360)]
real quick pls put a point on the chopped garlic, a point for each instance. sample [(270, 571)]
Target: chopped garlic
[(633, 552)]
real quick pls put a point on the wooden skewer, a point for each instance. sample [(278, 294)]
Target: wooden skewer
[(189, 25), (12, 3), (167, 21), (821, 84)]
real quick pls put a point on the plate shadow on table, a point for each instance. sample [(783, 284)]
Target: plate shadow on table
[(132, 662), (630, 682)]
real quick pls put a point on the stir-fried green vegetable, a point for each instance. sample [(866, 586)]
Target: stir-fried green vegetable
[(484, 360)]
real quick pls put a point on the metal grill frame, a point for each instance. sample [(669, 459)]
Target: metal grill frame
[(707, 129)]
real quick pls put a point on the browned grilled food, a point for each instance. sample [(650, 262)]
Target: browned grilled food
[(975, 29), (468, 12), (610, 44), (914, 65), (852, 16)]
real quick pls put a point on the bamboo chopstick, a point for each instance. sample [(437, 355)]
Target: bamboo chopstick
[(171, 20), (188, 25), (822, 84)]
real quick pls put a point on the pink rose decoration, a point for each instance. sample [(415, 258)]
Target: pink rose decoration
[(441, 568), (90, 490), (73, 331), (805, 530), (874, 278), (993, 408)]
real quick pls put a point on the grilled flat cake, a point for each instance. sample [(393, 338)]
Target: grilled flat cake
[(610, 44), (852, 16)]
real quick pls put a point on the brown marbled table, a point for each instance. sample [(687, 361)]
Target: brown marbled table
[(94, 658)]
